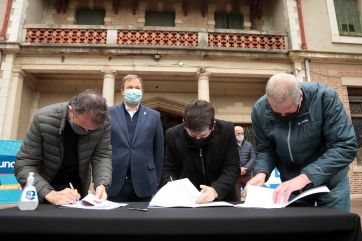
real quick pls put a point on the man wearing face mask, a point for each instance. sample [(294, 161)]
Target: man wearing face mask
[(67, 143), (247, 161), (137, 146), (303, 130), (203, 150)]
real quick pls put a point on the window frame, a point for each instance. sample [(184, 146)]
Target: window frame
[(87, 9), (335, 35), (160, 12), (228, 17)]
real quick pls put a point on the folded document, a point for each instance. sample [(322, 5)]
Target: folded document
[(91, 202), (262, 197), (180, 193)]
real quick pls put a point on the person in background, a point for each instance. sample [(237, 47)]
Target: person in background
[(67, 143), (137, 146), (303, 130), (247, 161), (204, 150)]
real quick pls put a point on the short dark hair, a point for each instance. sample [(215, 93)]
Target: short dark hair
[(90, 101), (130, 77), (199, 115)]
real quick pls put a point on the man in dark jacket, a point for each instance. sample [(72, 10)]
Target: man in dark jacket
[(204, 151), (247, 161), (304, 131), (65, 143), (137, 145)]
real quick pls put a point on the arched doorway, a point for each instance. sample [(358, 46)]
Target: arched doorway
[(171, 111), (169, 119)]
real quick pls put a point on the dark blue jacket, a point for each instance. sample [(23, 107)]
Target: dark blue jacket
[(144, 152), (247, 157), (320, 142)]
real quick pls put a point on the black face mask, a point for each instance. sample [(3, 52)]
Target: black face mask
[(287, 118), (290, 116), (199, 142)]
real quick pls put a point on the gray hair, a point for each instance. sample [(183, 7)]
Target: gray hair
[(238, 127), (90, 101), (130, 77), (281, 87)]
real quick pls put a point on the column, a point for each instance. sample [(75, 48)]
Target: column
[(203, 84), (109, 86), (13, 107)]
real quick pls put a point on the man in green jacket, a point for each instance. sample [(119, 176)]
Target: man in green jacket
[(64, 145), (303, 130)]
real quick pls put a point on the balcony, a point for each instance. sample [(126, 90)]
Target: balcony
[(69, 36)]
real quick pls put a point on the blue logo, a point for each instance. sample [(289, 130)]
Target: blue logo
[(30, 195)]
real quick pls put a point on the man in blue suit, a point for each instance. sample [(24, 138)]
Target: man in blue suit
[(137, 146)]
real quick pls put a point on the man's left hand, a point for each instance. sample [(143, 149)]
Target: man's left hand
[(101, 193), (208, 194), (282, 192)]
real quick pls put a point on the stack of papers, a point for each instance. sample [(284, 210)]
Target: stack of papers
[(91, 202), (180, 193), (262, 197)]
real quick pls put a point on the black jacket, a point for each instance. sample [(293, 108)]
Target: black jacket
[(216, 164)]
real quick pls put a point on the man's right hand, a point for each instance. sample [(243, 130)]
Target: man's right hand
[(257, 180), (65, 196)]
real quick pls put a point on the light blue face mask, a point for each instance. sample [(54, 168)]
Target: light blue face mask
[(132, 96)]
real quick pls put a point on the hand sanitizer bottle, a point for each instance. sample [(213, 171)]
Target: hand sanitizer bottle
[(29, 197)]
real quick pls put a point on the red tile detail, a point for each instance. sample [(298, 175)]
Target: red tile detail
[(247, 41), (66, 36), (158, 38)]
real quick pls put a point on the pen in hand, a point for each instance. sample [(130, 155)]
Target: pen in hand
[(71, 186)]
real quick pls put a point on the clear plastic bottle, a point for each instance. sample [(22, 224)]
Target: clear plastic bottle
[(29, 198)]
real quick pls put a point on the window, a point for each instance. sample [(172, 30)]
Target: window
[(348, 17), (90, 16), (229, 20), (166, 19), (356, 115)]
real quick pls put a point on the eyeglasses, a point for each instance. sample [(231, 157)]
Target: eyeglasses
[(199, 135)]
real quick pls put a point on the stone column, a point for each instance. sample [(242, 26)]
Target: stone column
[(13, 107), (109, 86), (203, 84)]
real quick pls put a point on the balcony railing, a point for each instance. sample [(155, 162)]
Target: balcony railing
[(157, 38), (66, 36), (246, 41)]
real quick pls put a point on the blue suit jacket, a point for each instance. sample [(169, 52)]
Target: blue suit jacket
[(144, 152)]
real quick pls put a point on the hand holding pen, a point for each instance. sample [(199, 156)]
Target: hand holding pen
[(75, 190)]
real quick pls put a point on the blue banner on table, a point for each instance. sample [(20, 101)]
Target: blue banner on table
[(9, 187)]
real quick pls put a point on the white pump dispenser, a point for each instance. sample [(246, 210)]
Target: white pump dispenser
[(29, 197)]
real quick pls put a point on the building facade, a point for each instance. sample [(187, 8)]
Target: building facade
[(220, 50)]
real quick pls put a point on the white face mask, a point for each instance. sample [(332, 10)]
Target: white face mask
[(240, 138)]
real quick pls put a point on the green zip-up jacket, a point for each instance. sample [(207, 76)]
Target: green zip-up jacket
[(42, 152), (320, 142)]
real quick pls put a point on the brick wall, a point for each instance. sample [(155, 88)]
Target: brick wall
[(127, 17), (331, 74)]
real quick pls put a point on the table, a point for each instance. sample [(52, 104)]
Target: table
[(213, 223)]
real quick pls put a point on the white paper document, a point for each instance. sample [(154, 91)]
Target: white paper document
[(180, 193), (262, 197), (91, 202)]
